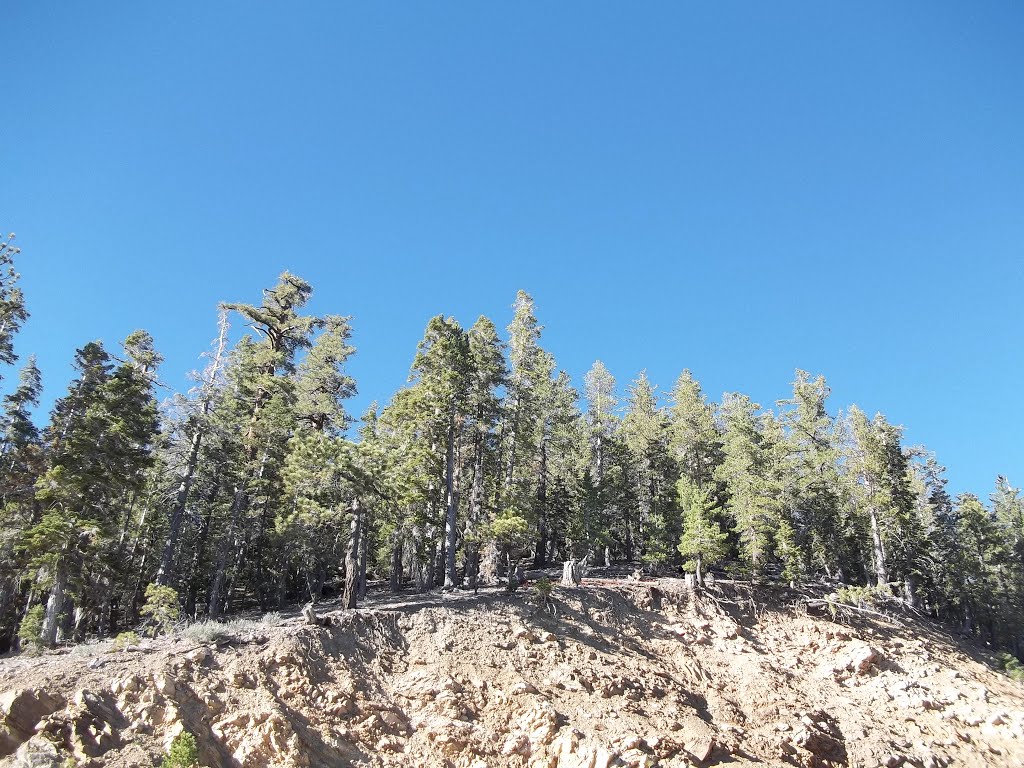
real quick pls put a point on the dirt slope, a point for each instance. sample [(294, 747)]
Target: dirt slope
[(625, 674)]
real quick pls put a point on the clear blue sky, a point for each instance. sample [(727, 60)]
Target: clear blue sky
[(737, 188)]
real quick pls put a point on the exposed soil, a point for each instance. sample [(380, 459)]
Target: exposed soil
[(625, 673)]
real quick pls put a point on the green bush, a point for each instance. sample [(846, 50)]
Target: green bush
[(184, 752), (124, 639), (544, 586), (861, 597), (30, 631), (161, 607), (1011, 665)]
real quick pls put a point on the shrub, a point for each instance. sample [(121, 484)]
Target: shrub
[(1011, 665), (184, 752), (125, 639), (161, 607), (544, 585), (861, 597), (30, 631)]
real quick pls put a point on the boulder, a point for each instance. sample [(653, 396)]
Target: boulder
[(20, 713)]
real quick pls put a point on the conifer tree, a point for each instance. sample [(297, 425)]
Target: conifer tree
[(605, 469), (812, 468), (644, 432), (99, 444), (694, 437), (882, 492), (703, 542), (12, 301), (487, 374)]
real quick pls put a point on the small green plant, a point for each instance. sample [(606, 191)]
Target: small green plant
[(544, 586), (1011, 665), (161, 608), (184, 752), (30, 631), (860, 597), (124, 639)]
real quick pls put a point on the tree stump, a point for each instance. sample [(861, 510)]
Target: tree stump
[(572, 573), (309, 613)]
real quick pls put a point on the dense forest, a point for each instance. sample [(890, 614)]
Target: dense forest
[(257, 488)]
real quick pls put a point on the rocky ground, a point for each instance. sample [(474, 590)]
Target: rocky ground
[(625, 673)]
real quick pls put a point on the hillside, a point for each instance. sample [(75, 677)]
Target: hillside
[(625, 673)]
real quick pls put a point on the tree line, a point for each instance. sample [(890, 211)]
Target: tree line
[(256, 488)]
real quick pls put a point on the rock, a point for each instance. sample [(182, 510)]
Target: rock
[(701, 748), (893, 761), (862, 657), (20, 712), (37, 752), (164, 683), (632, 742)]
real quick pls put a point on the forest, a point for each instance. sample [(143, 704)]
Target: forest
[(257, 488)]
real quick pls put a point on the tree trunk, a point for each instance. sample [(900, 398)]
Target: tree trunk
[(164, 573), (878, 550), (55, 605), (572, 573), (395, 577), (352, 557)]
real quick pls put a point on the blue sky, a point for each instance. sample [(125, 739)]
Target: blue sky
[(736, 188)]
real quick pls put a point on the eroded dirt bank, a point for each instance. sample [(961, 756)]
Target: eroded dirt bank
[(625, 674)]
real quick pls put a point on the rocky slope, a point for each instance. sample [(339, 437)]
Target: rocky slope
[(637, 674)]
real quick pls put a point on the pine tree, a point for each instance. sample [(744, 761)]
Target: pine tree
[(21, 463), (488, 374), (815, 494), (644, 431), (99, 444), (753, 475), (186, 436), (882, 495), (605, 463), (703, 542), (694, 437), (12, 301), (260, 407)]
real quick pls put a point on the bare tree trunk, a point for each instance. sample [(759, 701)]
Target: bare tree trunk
[(352, 556), (55, 605), (163, 574), (878, 550)]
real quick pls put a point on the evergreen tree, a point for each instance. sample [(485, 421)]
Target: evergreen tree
[(882, 494), (744, 474), (12, 301), (645, 433), (487, 374), (812, 467), (605, 464), (21, 463), (703, 542), (694, 437), (99, 447)]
